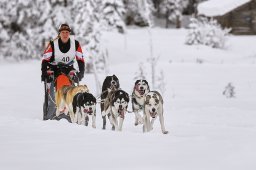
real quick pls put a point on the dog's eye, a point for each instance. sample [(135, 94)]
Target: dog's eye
[(87, 104)]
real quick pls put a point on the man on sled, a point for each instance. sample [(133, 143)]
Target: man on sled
[(58, 68)]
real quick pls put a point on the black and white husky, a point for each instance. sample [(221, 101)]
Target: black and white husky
[(110, 85), (153, 107), (119, 104), (84, 105), (141, 88)]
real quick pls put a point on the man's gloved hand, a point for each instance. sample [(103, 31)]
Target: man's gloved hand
[(47, 75), (76, 76), (43, 76), (80, 75), (73, 76)]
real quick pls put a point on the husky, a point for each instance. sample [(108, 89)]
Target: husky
[(84, 105), (153, 107), (141, 88), (119, 103), (110, 85), (64, 98)]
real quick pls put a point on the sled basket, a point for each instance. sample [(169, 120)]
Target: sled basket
[(61, 81)]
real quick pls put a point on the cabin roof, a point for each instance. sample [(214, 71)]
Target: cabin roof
[(212, 8)]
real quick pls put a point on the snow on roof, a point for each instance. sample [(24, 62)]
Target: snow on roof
[(213, 8)]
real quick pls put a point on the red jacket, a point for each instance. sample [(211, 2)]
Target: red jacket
[(49, 58)]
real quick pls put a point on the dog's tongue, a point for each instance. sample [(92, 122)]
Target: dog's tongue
[(121, 113), (153, 114), (141, 92), (88, 111)]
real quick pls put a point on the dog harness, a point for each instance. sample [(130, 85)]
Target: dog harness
[(135, 101)]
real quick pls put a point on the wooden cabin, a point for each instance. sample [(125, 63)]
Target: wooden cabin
[(240, 17)]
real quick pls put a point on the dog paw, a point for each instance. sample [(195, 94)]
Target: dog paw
[(113, 128), (165, 132), (94, 126)]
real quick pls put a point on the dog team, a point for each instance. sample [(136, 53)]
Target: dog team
[(79, 104)]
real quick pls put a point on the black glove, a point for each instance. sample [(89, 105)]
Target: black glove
[(75, 79), (80, 75), (45, 76)]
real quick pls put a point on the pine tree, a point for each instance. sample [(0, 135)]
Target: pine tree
[(113, 14), (157, 6), (131, 12), (173, 11), (207, 32), (24, 21), (82, 16), (194, 35), (146, 9), (88, 28), (60, 13), (138, 12), (21, 19)]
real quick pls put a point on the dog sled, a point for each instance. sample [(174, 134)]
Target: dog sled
[(58, 76)]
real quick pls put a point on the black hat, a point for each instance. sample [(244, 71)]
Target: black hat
[(64, 27)]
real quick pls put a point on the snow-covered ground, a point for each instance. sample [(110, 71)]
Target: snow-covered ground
[(206, 129)]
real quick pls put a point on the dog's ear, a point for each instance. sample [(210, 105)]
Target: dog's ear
[(93, 98), (146, 81), (136, 82), (147, 98), (105, 83), (155, 97), (147, 84), (160, 96)]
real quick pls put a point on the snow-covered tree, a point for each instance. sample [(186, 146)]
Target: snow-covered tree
[(229, 91), (194, 34), (146, 10), (82, 12), (23, 22), (28, 24), (43, 29), (113, 15), (88, 28), (207, 32), (172, 9), (191, 9), (138, 12), (157, 6)]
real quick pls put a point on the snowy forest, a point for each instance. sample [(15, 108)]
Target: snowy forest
[(27, 25)]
